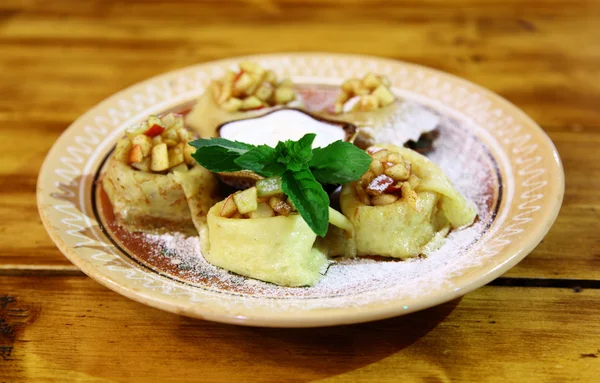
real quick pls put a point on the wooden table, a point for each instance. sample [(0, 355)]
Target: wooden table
[(540, 322)]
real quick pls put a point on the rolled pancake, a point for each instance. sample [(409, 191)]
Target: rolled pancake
[(275, 249), (145, 201), (403, 229)]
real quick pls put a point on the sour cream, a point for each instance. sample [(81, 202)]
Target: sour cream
[(282, 125)]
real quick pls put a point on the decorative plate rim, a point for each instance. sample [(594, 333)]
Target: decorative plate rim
[(479, 104)]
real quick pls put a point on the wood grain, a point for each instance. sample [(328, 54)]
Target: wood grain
[(72, 329), (60, 58)]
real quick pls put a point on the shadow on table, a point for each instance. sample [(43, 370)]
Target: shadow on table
[(320, 352)]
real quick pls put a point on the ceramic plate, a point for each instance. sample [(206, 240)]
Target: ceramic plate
[(495, 155)]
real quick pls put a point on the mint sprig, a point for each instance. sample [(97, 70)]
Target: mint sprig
[(301, 168)]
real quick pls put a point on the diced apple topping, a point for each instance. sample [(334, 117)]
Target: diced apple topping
[(252, 88), (388, 179), (157, 145), (255, 203), (367, 94)]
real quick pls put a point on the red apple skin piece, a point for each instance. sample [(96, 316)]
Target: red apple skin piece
[(154, 130), (380, 184), (229, 209)]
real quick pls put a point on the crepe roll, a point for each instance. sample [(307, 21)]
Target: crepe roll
[(265, 239), (152, 181), (403, 205)]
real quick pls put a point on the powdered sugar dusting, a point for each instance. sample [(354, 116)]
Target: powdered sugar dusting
[(350, 282)]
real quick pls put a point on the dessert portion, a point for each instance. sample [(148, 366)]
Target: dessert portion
[(152, 181), (249, 92), (379, 115), (408, 197), (258, 233)]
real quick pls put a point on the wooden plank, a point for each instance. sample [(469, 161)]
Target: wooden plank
[(70, 328), (64, 57)]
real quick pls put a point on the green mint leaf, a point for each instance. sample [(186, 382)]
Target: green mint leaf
[(262, 160), (219, 154), (309, 198), (339, 163), (301, 150), (235, 146), (296, 154)]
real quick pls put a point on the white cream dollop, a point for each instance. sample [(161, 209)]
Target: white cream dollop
[(282, 125)]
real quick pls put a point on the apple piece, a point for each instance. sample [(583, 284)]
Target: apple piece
[(268, 187), (249, 66), (172, 121), (176, 155), (377, 167), (229, 207), (264, 91), (270, 77), (348, 86), (226, 92), (243, 82), (157, 140), (179, 168), (154, 120), (144, 142), (140, 128), (135, 154), (251, 103), (256, 81), (232, 105), (370, 81), (366, 178), (384, 95), (379, 185), (409, 195), (278, 204), (184, 135), (380, 155), (362, 195), (160, 158), (122, 150), (188, 150), (368, 103), (398, 172), (246, 201), (170, 134), (144, 165), (154, 130), (284, 94), (263, 210)]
